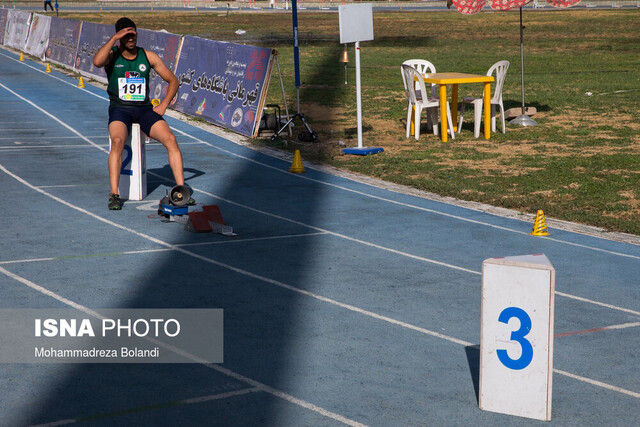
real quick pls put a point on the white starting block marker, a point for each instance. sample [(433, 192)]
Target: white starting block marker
[(225, 230), (516, 336), (133, 174)]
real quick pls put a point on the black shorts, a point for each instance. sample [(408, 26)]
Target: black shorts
[(145, 116)]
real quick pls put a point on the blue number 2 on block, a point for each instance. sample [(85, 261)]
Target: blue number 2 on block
[(518, 336), (126, 161)]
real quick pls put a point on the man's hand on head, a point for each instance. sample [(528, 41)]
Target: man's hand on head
[(123, 33)]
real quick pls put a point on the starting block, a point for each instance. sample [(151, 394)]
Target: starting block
[(208, 220), (133, 173), (198, 223)]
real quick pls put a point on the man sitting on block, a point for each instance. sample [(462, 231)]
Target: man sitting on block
[(130, 103)]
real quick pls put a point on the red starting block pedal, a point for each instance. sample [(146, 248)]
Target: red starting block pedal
[(208, 220), (214, 214), (198, 223), (216, 222)]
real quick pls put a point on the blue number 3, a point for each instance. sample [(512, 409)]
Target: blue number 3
[(518, 336)]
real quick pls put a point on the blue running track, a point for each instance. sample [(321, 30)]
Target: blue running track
[(344, 302)]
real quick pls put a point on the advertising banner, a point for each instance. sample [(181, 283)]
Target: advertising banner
[(92, 37), (17, 29), (38, 35), (223, 83), (3, 23), (64, 35), (165, 45)]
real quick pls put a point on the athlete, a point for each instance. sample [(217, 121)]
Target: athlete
[(128, 67)]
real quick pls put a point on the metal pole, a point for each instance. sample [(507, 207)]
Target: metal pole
[(522, 119), (296, 60), (522, 60), (359, 95)]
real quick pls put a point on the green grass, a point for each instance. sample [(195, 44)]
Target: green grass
[(581, 163)]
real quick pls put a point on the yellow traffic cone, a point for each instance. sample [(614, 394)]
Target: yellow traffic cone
[(296, 165), (47, 68), (21, 57), (81, 82), (540, 225)]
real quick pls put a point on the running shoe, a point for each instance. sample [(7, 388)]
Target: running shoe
[(115, 204)]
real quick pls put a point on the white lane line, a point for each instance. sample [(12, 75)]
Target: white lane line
[(72, 130), (50, 75), (3, 138), (29, 129), (146, 251), (264, 387), (598, 383), (33, 151), (300, 176), (62, 258), (602, 304), (336, 186), (24, 140), (25, 144), (151, 407), (403, 204), (228, 266), (266, 280), (220, 395), (343, 236), (70, 185), (601, 329)]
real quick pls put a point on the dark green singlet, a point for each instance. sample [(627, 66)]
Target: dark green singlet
[(123, 68)]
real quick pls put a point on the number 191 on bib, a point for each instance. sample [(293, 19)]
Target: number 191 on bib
[(132, 89)]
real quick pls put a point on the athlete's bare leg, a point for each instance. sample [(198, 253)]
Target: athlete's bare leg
[(162, 132), (118, 132)]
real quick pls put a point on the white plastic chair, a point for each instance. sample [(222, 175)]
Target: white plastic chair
[(423, 66), (410, 105), (500, 68), (410, 74)]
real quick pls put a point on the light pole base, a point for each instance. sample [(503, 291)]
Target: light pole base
[(523, 120), (363, 151)]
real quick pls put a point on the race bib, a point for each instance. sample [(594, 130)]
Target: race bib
[(132, 89)]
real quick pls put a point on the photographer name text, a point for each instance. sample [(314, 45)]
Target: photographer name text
[(95, 353)]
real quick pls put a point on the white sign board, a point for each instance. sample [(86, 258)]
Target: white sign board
[(356, 22), (133, 173), (516, 343)]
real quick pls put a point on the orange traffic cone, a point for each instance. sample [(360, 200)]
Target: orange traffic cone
[(296, 165), (47, 69), (540, 225), (81, 83), (21, 57)]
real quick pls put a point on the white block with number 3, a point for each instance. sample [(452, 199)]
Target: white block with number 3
[(133, 173), (516, 343)]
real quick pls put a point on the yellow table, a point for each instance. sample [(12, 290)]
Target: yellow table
[(454, 79)]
